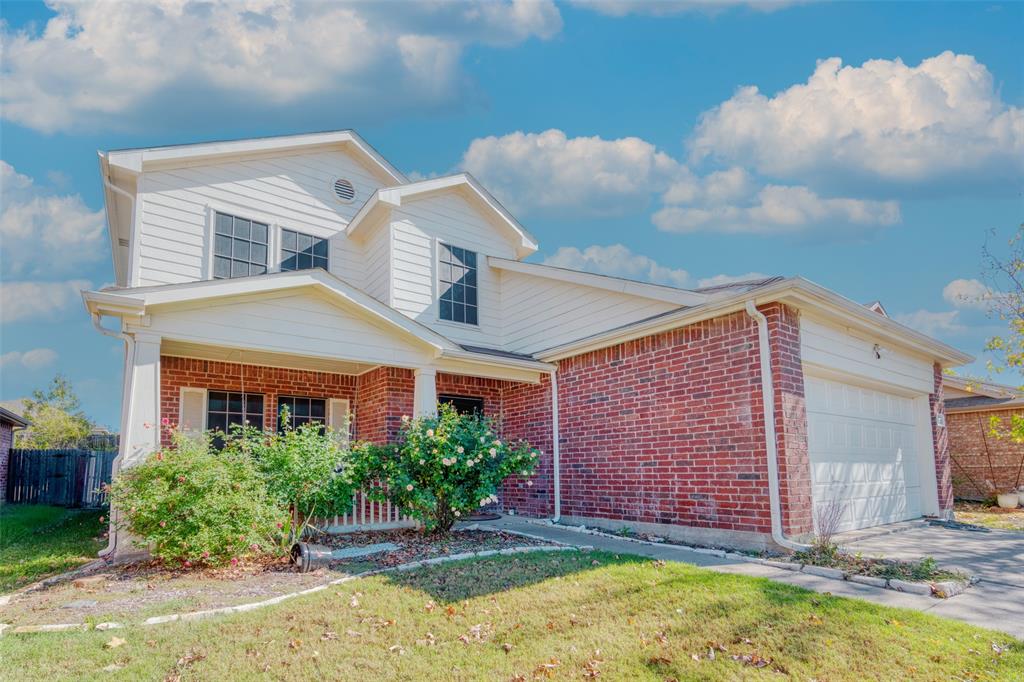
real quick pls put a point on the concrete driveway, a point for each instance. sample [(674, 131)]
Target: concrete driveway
[(995, 556)]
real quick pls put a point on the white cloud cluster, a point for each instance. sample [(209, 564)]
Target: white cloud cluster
[(619, 261), (883, 122), (552, 172), (45, 234), (967, 293), (732, 201), (109, 63), (30, 359), (933, 323), (24, 301)]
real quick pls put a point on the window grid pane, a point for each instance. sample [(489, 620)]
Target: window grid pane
[(457, 279), (301, 411), (240, 247), (301, 251), (224, 408)]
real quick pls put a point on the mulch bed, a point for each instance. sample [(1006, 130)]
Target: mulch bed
[(416, 546)]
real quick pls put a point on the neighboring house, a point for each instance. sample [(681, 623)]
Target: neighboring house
[(9, 421), (307, 271), (979, 458)]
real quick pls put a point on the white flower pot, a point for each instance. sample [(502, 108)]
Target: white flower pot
[(1007, 500)]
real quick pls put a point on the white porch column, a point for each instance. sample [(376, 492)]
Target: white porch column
[(141, 433), (425, 393)]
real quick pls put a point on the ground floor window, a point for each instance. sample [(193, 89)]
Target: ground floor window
[(225, 409), (463, 404), (301, 411)]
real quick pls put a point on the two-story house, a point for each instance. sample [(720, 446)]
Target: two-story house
[(308, 271)]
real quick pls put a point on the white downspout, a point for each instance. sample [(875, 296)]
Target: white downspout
[(556, 465), (771, 445), (126, 406)]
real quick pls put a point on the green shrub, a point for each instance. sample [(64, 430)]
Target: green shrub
[(306, 471), (192, 505), (442, 467)]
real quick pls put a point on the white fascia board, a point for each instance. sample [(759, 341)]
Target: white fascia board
[(797, 291), (486, 359), (393, 196), (107, 303), (136, 159), (981, 388), (617, 284)]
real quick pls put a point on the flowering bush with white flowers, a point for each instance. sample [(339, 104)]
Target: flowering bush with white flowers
[(442, 468)]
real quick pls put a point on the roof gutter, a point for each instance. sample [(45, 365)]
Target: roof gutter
[(770, 440)]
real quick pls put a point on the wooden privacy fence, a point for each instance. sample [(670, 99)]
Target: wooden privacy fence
[(65, 478)]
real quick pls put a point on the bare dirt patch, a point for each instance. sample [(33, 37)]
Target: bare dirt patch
[(133, 592)]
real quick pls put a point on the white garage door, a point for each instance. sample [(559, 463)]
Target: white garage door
[(863, 453)]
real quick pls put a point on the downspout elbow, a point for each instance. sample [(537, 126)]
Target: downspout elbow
[(770, 436)]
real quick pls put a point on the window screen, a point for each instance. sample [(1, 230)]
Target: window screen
[(239, 247), (457, 279)]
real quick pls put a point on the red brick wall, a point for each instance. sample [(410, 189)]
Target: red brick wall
[(474, 387), (385, 395), (177, 372), (790, 419), (668, 429), (6, 442), (526, 415), (940, 439), (968, 436)]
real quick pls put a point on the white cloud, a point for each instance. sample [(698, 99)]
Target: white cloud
[(112, 63), (21, 301), (619, 261), (882, 122), (552, 172), (967, 293), (44, 233), (932, 323), (718, 280), (661, 8), (772, 209), (30, 359)]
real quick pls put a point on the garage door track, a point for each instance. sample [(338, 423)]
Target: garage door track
[(996, 557)]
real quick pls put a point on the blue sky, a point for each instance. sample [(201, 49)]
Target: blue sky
[(626, 137)]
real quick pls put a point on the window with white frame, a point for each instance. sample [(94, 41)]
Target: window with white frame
[(457, 283), (301, 251), (239, 246)]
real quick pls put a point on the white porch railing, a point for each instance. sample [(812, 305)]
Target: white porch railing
[(367, 514)]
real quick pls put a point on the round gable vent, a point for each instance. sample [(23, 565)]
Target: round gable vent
[(344, 190)]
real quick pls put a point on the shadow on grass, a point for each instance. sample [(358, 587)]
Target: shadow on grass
[(481, 577)]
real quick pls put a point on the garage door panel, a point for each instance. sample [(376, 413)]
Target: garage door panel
[(863, 452)]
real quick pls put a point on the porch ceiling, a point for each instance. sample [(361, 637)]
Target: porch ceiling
[(255, 357)]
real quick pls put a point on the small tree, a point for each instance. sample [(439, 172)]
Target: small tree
[(191, 504), (56, 416), (306, 471), (442, 467)]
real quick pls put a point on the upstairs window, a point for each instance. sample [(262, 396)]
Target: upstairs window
[(457, 280), (302, 251), (239, 247)]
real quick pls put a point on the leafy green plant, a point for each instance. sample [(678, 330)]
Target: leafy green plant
[(442, 468), (306, 470), (56, 416), (190, 504)]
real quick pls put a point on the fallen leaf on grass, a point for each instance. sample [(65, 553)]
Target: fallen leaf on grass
[(430, 606), (507, 647), (329, 635), (428, 640), (114, 643), (353, 633), (354, 602), (546, 669), (295, 644), (396, 649), (753, 660)]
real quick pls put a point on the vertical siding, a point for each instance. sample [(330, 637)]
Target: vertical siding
[(293, 191), (417, 226)]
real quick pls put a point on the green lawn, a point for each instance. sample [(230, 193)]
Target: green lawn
[(558, 615), (37, 541)]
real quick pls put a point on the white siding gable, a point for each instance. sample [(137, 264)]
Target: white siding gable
[(292, 191), (300, 322), (417, 226), (540, 313)]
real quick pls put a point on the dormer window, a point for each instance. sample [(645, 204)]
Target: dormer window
[(239, 247), (457, 284)]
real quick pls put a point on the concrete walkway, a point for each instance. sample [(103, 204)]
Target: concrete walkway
[(976, 606)]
